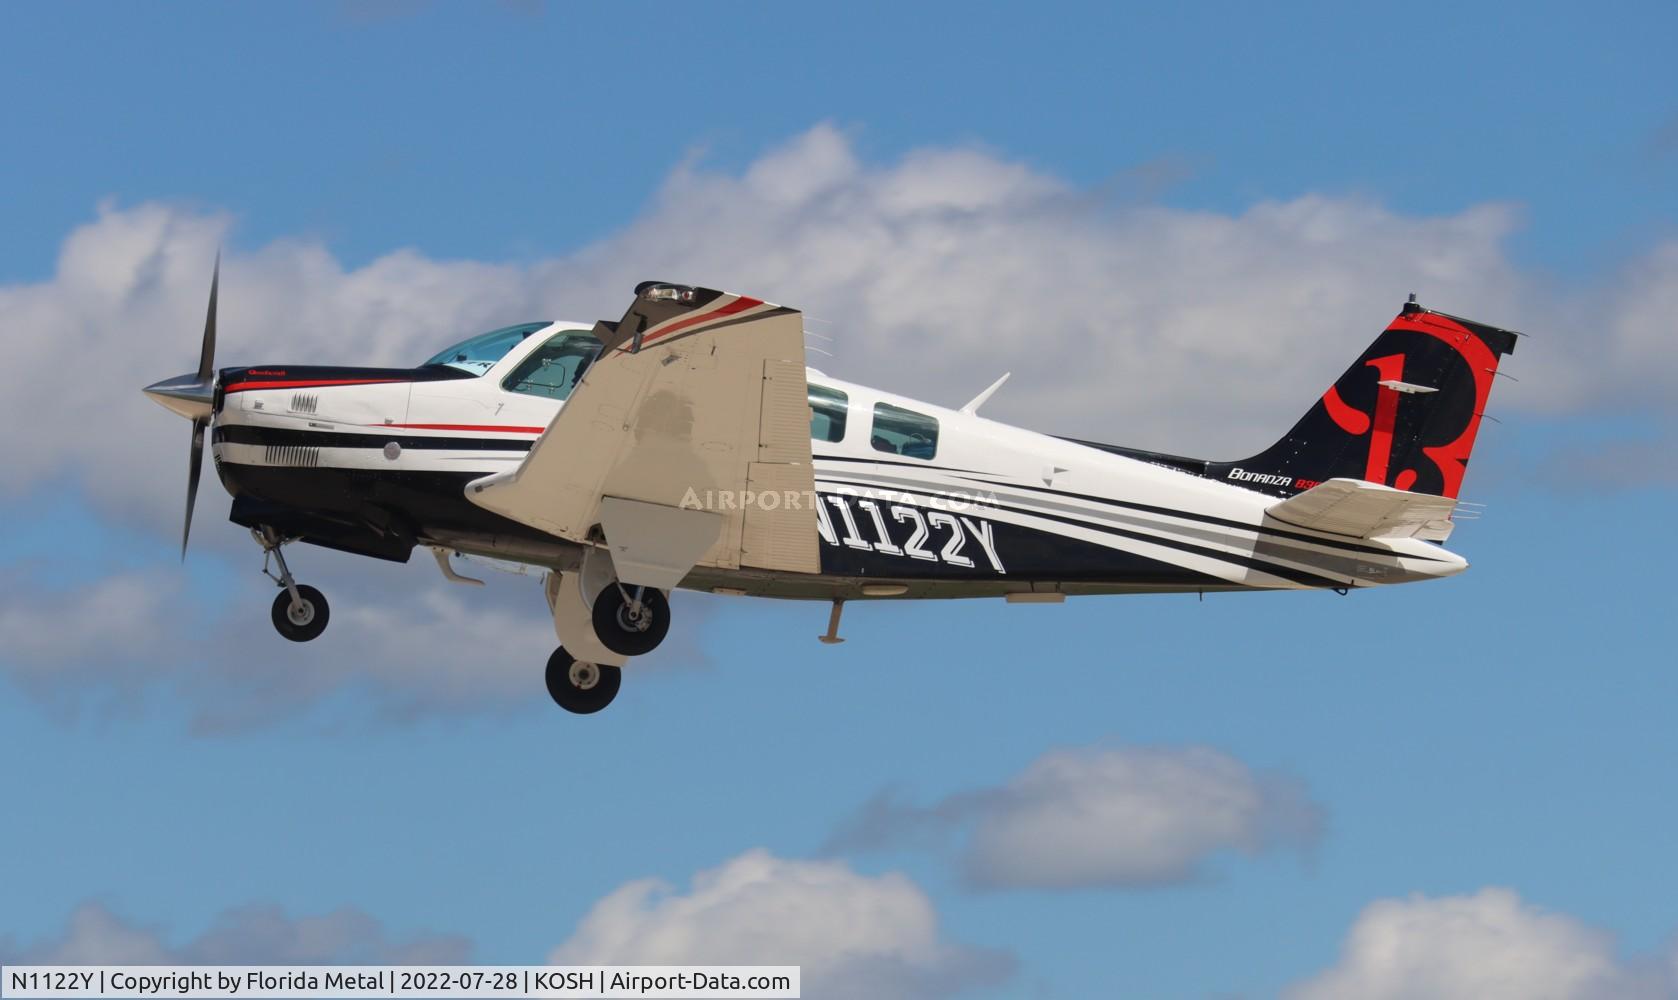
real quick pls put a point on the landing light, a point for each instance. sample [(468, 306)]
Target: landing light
[(668, 293)]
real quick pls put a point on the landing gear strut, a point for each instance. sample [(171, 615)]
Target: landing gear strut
[(579, 686), (300, 612), (631, 621)]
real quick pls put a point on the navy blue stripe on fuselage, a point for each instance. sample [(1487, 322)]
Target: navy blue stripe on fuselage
[(1299, 576), (976, 477)]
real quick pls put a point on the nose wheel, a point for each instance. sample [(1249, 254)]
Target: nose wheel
[(579, 686), (300, 612), (303, 617)]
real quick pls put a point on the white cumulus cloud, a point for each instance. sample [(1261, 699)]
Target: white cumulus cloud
[(257, 934), (1114, 816), (1490, 945), (864, 936)]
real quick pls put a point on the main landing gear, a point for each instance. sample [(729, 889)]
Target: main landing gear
[(627, 621), (300, 612), (579, 686), (631, 621), (602, 622)]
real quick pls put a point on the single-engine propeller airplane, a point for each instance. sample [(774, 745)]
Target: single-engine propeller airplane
[(688, 446)]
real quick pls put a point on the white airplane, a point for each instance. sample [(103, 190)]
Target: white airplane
[(688, 446)]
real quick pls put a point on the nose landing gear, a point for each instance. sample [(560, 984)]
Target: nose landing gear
[(302, 617), (300, 612)]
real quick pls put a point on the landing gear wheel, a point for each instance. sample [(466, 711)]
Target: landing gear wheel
[(581, 687), (307, 619), (628, 630)]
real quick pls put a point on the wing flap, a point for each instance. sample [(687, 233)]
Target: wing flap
[(654, 545), (784, 423), (1362, 509), (780, 521)]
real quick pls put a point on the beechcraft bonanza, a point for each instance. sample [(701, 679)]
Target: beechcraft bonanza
[(688, 446)]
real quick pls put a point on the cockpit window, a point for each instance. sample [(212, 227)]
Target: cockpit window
[(479, 354), (555, 368)]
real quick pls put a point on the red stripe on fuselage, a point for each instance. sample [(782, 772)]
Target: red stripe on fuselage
[(497, 428), (310, 383)]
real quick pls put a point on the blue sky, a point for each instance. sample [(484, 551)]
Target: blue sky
[(1254, 190)]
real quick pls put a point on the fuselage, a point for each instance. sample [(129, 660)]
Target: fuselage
[(911, 499)]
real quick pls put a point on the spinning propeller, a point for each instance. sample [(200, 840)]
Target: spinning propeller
[(193, 396)]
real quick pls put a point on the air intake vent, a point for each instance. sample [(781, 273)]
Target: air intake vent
[(304, 402), (291, 455)]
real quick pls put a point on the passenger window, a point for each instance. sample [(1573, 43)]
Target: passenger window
[(827, 413), (904, 432), (555, 368)]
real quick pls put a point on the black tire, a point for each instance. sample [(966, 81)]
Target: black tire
[(312, 615), (627, 637), (567, 686)]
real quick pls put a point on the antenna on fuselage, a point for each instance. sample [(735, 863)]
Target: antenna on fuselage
[(973, 404)]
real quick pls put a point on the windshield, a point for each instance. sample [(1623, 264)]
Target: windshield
[(479, 354)]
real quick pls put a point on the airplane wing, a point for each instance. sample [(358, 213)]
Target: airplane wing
[(1367, 510), (687, 443)]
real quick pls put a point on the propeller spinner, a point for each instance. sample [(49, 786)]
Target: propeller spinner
[(192, 396)]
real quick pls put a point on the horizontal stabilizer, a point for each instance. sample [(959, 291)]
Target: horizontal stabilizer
[(1363, 509)]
